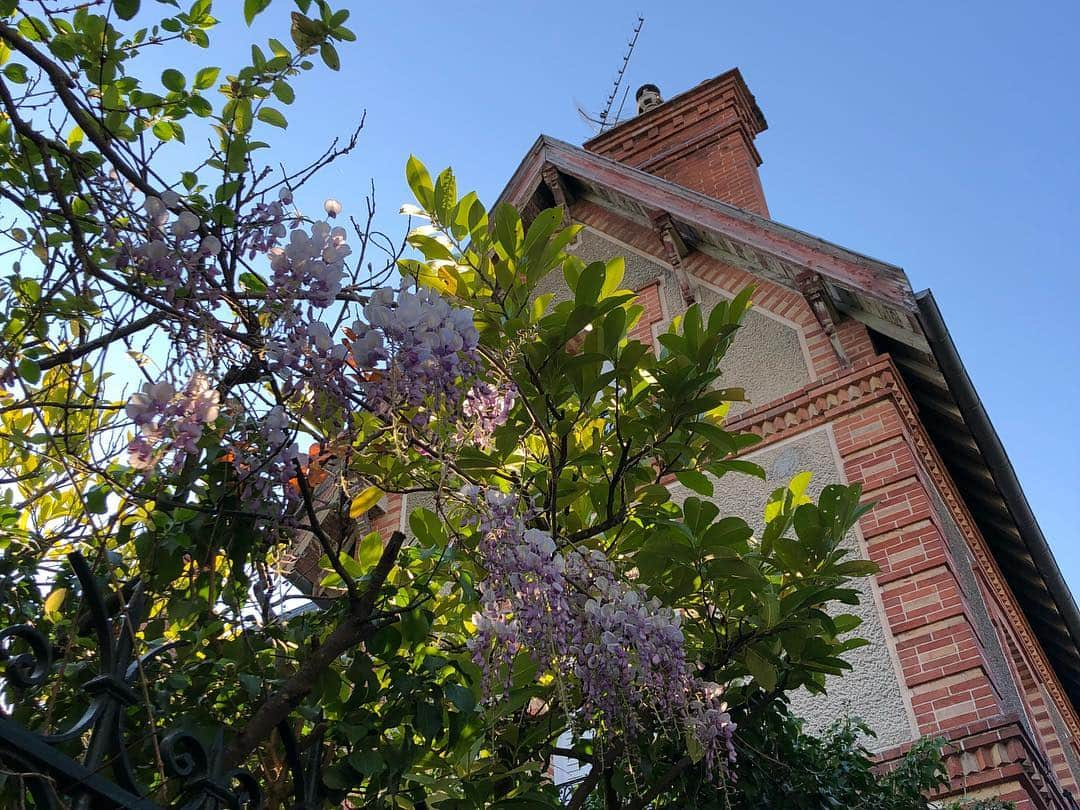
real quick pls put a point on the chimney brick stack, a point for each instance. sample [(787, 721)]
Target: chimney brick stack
[(702, 139)]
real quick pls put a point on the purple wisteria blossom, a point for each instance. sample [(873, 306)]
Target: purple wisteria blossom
[(573, 615), (170, 421), (422, 359)]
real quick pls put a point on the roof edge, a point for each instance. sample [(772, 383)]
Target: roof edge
[(830, 259), (993, 451)]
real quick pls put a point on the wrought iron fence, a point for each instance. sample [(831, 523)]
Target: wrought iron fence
[(87, 765)]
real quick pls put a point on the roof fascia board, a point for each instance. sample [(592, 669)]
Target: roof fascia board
[(876, 279)]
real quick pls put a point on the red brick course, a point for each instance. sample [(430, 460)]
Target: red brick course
[(702, 139)]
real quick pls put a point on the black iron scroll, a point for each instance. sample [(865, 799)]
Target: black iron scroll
[(103, 775)]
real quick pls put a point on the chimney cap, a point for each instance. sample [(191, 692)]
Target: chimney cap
[(644, 89)]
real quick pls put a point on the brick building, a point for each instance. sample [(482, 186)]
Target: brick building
[(852, 375)]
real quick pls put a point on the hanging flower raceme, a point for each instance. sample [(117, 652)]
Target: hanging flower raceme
[(265, 462), (311, 267), (419, 357), (170, 254), (168, 421), (573, 614)]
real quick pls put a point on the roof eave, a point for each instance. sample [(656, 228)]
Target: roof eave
[(872, 277), (996, 459)]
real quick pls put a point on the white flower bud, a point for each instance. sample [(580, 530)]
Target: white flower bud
[(332, 207), (153, 206), (187, 223)]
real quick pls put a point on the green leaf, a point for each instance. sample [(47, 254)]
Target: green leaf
[(126, 9), (330, 56), (613, 276), (428, 720), (427, 528), (337, 777), (29, 371), (283, 92), (419, 181), (414, 625), (241, 116), (798, 487), (96, 500), (252, 8), (699, 482), (760, 668), (731, 532), (445, 195), (369, 551), (856, 568), (462, 697), (16, 73), (368, 763), (173, 80), (385, 642), (206, 77), (53, 602), (268, 115), (508, 228), (589, 284), (163, 130)]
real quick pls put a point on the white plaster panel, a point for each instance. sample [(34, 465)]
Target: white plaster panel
[(768, 357), (872, 690)]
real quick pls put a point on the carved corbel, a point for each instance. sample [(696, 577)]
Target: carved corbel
[(557, 186), (813, 290), (675, 250)]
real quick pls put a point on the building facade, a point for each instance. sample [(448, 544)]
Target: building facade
[(853, 376)]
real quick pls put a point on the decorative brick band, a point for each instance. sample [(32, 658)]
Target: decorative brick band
[(990, 753)]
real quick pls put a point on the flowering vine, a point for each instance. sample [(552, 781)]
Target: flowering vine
[(572, 613)]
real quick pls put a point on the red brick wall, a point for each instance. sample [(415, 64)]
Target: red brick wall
[(726, 169), (929, 618), (702, 140)]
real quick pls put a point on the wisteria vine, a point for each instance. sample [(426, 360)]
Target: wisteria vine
[(572, 613)]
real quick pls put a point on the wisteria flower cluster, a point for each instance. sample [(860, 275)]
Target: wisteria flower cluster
[(311, 266), (170, 421), (173, 255), (264, 227), (421, 357), (266, 463), (573, 614)]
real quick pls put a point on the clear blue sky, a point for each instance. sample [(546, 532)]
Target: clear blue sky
[(942, 137)]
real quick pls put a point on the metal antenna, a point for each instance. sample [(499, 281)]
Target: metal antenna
[(602, 119)]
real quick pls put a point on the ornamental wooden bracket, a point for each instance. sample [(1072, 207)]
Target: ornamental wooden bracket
[(812, 287), (675, 250), (558, 188)]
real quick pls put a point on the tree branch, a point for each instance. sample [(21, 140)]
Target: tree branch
[(356, 628), (70, 355)]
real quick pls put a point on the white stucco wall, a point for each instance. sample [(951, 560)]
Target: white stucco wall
[(768, 357), (873, 690)]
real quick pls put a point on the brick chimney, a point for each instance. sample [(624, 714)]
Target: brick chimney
[(702, 139)]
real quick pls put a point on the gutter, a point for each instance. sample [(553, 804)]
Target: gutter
[(993, 452)]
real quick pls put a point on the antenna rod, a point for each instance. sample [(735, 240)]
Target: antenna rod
[(619, 77)]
